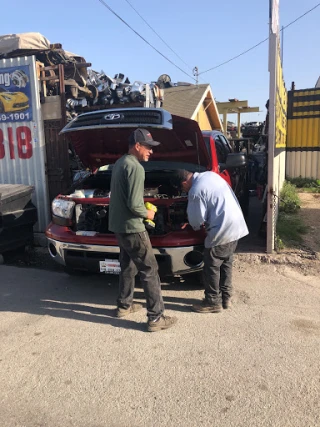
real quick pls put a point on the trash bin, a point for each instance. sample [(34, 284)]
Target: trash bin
[(17, 216)]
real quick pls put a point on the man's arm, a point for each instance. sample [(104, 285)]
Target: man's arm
[(196, 212), (135, 200)]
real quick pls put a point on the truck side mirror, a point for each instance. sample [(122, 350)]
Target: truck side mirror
[(236, 160)]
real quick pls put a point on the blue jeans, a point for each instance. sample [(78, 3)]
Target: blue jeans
[(217, 272)]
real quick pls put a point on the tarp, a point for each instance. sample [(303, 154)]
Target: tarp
[(26, 41)]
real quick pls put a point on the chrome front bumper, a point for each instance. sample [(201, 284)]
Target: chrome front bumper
[(177, 257)]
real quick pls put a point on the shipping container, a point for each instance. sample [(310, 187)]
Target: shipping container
[(22, 141), (303, 134)]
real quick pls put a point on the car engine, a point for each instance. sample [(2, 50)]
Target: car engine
[(92, 194), (170, 216), (92, 218)]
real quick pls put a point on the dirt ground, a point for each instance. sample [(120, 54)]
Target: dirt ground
[(66, 361), (304, 259), (256, 364), (310, 214)]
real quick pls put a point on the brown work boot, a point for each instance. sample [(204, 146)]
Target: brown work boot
[(226, 303), (122, 312), (206, 307), (163, 322)]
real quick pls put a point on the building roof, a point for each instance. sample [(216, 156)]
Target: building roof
[(183, 100), (186, 101)]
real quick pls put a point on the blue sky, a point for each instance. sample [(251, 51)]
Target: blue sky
[(204, 34)]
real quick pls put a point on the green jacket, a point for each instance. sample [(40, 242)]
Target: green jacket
[(127, 210)]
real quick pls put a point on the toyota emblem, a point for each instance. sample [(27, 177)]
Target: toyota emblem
[(112, 116)]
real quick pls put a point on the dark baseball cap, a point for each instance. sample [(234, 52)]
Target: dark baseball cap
[(143, 136)]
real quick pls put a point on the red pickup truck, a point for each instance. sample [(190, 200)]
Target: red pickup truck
[(78, 236)]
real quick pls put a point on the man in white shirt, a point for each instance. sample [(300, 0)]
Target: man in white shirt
[(213, 204)]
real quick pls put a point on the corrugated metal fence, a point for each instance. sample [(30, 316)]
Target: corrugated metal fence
[(58, 168), (303, 134), (22, 143)]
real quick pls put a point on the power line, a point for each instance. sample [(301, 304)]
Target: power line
[(258, 44), (195, 73), (301, 16), (152, 29), (235, 57), (141, 37)]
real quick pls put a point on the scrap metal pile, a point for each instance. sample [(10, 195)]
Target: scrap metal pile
[(118, 90), (85, 88), (101, 90)]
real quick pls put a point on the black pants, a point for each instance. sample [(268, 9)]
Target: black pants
[(136, 255), (217, 272)]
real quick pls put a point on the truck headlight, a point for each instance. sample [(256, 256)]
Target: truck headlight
[(63, 208)]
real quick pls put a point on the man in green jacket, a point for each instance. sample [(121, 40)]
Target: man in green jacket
[(126, 215)]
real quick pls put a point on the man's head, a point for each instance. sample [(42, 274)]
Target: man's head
[(182, 180), (141, 144)]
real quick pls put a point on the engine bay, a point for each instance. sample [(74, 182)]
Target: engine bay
[(169, 217), (92, 204)]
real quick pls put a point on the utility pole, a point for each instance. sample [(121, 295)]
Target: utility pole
[(196, 74), (282, 41)]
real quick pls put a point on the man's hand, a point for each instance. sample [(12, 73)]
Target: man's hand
[(150, 214)]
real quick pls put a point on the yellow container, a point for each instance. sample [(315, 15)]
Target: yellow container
[(150, 207), (148, 222)]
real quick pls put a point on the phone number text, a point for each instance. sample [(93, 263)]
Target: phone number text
[(14, 117)]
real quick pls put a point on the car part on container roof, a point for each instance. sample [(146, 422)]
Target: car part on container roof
[(71, 103), (164, 81), (99, 89), (94, 93)]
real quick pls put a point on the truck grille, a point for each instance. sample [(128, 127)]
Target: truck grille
[(118, 117)]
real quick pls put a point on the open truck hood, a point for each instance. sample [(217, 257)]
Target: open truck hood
[(101, 137)]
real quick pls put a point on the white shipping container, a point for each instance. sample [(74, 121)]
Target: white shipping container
[(303, 163), (22, 142)]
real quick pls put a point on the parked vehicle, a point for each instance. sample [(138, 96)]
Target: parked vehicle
[(251, 129), (237, 177), (78, 236)]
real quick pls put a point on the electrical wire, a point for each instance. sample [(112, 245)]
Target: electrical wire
[(158, 35), (258, 44), (235, 57), (152, 29), (146, 41)]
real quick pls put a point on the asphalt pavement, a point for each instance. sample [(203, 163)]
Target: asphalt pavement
[(65, 360)]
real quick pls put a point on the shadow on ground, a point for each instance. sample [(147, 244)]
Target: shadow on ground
[(254, 242), (86, 298), (91, 298)]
